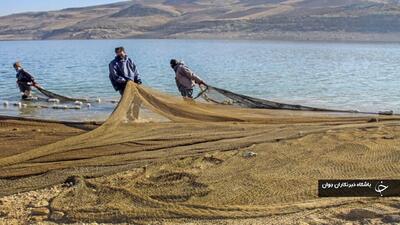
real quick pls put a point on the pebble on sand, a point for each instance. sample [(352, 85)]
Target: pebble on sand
[(249, 154)]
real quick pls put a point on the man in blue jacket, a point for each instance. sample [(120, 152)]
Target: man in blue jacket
[(122, 69)]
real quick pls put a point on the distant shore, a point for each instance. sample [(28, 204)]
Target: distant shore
[(273, 36)]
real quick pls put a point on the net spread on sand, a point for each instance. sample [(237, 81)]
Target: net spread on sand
[(188, 133)]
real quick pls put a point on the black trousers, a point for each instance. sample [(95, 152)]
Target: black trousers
[(185, 92), (23, 87), (122, 90)]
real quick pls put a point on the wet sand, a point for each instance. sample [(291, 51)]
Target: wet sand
[(205, 164), (19, 135), (281, 178)]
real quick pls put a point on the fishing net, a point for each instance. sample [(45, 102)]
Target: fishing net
[(62, 98), (186, 133), (225, 97)]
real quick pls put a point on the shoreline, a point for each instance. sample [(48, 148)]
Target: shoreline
[(29, 119), (239, 39)]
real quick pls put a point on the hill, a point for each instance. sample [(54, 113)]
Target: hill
[(343, 20)]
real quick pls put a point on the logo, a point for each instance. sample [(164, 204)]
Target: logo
[(359, 188), (380, 188)]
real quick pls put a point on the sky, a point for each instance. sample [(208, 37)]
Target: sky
[(9, 7)]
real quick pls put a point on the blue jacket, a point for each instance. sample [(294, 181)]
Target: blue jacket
[(24, 77), (121, 71)]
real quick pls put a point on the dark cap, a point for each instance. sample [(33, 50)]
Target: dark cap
[(118, 49), (174, 62), (17, 64)]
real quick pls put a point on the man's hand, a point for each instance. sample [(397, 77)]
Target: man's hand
[(138, 81), (36, 84), (121, 80), (33, 84), (202, 83)]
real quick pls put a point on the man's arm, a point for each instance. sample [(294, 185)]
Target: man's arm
[(136, 75), (187, 72), (29, 78), (114, 74)]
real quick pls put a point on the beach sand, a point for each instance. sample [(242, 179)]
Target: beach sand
[(281, 177), (192, 172)]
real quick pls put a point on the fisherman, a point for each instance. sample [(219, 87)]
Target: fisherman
[(25, 81), (185, 78), (122, 69)]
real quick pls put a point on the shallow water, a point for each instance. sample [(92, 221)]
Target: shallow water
[(330, 75)]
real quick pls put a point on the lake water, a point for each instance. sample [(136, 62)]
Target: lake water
[(331, 75)]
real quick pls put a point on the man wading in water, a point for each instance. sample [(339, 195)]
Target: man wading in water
[(185, 78), (122, 69), (25, 81)]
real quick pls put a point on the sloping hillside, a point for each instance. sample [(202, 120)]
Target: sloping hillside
[(358, 20)]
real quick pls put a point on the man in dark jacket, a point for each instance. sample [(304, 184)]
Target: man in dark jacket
[(25, 81), (122, 69), (185, 78)]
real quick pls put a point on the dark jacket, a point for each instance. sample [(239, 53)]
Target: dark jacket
[(122, 70), (24, 77), (185, 77)]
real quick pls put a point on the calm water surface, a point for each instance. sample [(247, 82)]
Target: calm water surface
[(332, 75)]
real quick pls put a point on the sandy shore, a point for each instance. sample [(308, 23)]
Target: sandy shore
[(281, 177), (204, 164)]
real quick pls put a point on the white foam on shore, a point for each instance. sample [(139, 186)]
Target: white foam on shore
[(54, 100)]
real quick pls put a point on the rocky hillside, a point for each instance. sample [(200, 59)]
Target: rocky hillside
[(345, 20)]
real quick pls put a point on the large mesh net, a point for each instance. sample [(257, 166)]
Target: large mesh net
[(225, 97), (62, 98), (197, 148)]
